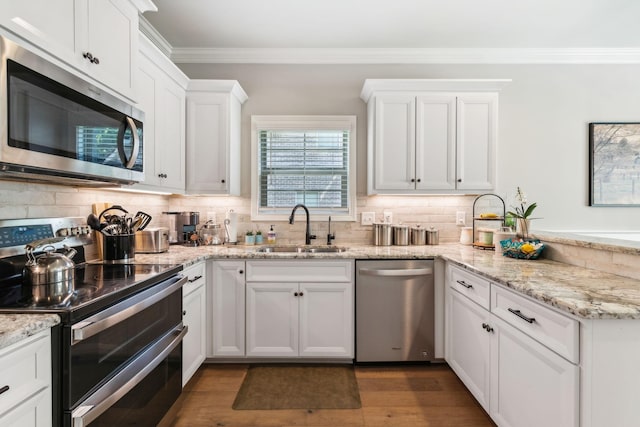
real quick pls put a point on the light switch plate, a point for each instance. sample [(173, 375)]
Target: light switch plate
[(460, 218), (367, 218)]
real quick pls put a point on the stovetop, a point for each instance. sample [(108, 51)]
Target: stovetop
[(96, 286)]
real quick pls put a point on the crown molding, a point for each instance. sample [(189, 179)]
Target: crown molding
[(154, 36), (431, 85), (407, 55)]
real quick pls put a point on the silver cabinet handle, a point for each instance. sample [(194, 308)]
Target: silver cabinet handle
[(400, 272), (122, 311), (99, 402)]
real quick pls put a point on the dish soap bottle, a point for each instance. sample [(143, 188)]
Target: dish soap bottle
[(271, 236)]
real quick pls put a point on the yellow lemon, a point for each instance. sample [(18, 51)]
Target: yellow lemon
[(527, 248)]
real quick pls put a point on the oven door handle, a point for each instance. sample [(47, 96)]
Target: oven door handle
[(120, 312), (121, 384)]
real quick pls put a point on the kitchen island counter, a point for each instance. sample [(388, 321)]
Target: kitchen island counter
[(16, 327), (585, 293)]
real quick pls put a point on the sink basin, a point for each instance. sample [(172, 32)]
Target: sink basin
[(301, 249)]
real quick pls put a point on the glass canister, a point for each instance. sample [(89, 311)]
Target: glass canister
[(211, 234)]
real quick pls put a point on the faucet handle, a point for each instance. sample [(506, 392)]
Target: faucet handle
[(330, 237)]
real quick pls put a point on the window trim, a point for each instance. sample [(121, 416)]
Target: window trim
[(259, 122)]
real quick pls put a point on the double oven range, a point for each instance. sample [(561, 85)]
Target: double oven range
[(117, 354)]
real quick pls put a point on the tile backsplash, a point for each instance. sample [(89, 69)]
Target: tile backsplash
[(30, 200)]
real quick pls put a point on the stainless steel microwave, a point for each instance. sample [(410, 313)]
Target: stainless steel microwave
[(57, 127)]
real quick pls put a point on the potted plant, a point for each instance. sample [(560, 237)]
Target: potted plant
[(522, 214), (259, 237), (249, 238)]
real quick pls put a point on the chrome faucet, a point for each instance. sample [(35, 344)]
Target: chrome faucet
[(307, 235)]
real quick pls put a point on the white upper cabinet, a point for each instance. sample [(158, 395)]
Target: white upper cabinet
[(161, 91), (97, 38), (213, 136), (431, 136)]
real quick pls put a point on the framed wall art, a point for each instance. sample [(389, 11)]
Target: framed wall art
[(614, 164)]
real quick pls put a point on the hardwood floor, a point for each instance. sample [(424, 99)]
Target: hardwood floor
[(399, 396)]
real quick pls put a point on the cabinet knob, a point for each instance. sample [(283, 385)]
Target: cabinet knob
[(459, 179), (418, 180), (91, 58), (413, 180), (295, 294), (240, 271), (184, 313), (222, 181), (162, 175), (301, 294)]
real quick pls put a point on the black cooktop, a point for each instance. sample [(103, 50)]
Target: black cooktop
[(96, 286)]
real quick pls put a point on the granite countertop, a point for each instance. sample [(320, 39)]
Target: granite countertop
[(16, 327), (585, 293)]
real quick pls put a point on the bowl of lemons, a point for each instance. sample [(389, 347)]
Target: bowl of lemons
[(528, 249)]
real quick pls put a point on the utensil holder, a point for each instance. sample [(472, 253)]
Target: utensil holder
[(119, 248)]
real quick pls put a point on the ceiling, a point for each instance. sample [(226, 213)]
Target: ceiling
[(251, 26)]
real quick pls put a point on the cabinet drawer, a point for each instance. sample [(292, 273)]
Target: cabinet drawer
[(25, 369), (474, 287), (299, 271), (195, 276), (554, 330)]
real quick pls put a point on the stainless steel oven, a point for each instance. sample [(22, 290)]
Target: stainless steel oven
[(55, 126), (117, 355)]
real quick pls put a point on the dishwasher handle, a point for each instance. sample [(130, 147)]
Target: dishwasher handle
[(396, 272)]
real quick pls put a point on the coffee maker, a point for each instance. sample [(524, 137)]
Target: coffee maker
[(182, 226)]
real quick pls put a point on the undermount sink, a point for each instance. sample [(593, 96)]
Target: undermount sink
[(301, 249)]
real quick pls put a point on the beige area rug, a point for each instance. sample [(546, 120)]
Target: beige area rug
[(298, 387)]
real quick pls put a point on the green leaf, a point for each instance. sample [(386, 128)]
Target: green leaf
[(529, 210)]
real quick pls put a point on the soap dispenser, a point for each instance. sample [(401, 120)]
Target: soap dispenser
[(271, 236)]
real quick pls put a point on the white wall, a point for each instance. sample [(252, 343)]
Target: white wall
[(544, 116)]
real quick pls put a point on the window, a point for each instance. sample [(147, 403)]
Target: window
[(303, 159)]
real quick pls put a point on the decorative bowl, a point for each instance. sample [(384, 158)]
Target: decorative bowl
[(529, 249)]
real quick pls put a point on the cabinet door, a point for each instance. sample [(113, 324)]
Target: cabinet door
[(326, 319), (111, 35), (530, 385), (193, 345), (476, 140), (468, 345), (272, 319), (207, 143), (34, 411), (436, 142), (228, 318), (170, 153), (394, 143), (53, 31), (147, 101)]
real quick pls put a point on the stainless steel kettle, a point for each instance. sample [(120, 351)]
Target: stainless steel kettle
[(50, 274)]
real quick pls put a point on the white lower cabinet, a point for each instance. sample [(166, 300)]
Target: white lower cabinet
[(519, 381), (468, 345), (530, 384), (194, 308), (228, 309), (291, 314), (25, 378)]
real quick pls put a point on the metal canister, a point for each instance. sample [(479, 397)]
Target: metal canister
[(433, 236), (418, 235), (400, 235), (382, 234)]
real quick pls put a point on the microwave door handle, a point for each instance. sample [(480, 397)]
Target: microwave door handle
[(131, 161)]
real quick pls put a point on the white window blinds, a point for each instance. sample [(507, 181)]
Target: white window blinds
[(306, 161)]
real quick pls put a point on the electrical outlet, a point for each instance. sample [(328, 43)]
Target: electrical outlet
[(367, 218), (388, 217), (211, 216), (460, 218)]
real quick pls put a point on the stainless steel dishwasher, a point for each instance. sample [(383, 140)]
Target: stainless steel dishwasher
[(394, 311)]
